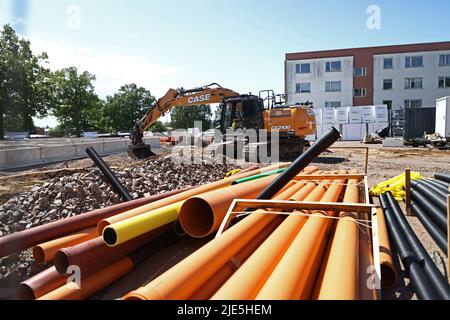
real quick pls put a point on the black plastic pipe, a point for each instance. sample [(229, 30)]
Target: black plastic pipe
[(438, 236), (419, 280), (443, 184), (440, 190), (439, 217), (432, 196), (301, 163), (443, 177), (437, 279), (117, 186)]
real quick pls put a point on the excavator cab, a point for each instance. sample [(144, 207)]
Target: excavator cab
[(247, 108)]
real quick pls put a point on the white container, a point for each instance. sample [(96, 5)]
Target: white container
[(443, 117)]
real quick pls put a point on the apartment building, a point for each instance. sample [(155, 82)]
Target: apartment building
[(412, 75)]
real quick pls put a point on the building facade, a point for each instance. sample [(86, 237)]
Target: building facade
[(413, 75)]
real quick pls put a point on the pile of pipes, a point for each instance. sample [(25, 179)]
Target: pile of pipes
[(273, 255), (323, 249), (427, 281), (429, 204), (395, 186), (77, 242)]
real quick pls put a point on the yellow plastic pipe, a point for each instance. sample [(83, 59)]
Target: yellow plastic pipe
[(93, 283), (183, 196), (185, 278), (202, 214), (340, 280), (45, 252), (248, 280), (293, 277), (123, 231)]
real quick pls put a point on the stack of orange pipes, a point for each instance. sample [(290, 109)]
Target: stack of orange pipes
[(97, 259), (307, 255)]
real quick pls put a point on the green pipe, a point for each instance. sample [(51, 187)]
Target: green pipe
[(259, 176)]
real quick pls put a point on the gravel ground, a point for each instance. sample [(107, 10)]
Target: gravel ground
[(69, 195), (386, 163)]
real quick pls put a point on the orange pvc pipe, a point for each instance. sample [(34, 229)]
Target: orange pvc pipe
[(220, 277), (249, 279), (366, 263), (45, 252), (182, 196), (202, 215), (93, 283), (293, 277), (185, 278), (340, 280), (389, 273), (41, 284)]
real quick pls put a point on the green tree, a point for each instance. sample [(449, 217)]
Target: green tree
[(158, 126), (24, 83), (75, 100), (125, 108), (185, 117), (34, 85), (9, 75)]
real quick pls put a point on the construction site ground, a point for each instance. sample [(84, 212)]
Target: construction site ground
[(159, 256)]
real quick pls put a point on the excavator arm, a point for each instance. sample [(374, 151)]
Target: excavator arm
[(209, 94)]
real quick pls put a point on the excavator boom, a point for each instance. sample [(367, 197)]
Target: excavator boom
[(209, 94)]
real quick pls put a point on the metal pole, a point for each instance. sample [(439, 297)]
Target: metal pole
[(117, 186), (408, 192), (301, 163)]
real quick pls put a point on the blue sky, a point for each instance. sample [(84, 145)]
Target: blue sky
[(239, 44)]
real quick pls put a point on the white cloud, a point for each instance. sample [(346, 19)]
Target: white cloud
[(112, 70)]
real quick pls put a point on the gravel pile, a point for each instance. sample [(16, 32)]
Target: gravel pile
[(83, 192)]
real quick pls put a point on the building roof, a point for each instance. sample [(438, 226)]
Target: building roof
[(392, 49)]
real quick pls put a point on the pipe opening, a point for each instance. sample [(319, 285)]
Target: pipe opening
[(39, 255), (178, 229), (25, 292), (102, 226), (110, 236), (197, 218), (61, 262), (388, 276)]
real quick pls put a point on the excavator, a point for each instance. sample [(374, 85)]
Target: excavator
[(264, 112)]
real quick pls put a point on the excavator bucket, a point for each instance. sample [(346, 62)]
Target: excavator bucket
[(140, 152)]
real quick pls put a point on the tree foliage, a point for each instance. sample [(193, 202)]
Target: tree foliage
[(75, 100), (122, 110), (158, 126), (24, 83), (185, 117)]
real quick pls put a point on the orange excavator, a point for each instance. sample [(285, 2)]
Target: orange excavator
[(292, 123)]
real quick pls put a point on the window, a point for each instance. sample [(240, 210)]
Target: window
[(388, 103), (414, 62), (413, 83), (387, 84), (333, 66), (444, 82), (444, 60), (413, 103), (332, 104), (388, 63), (303, 87), (361, 92), (303, 68), (361, 72), (333, 86)]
